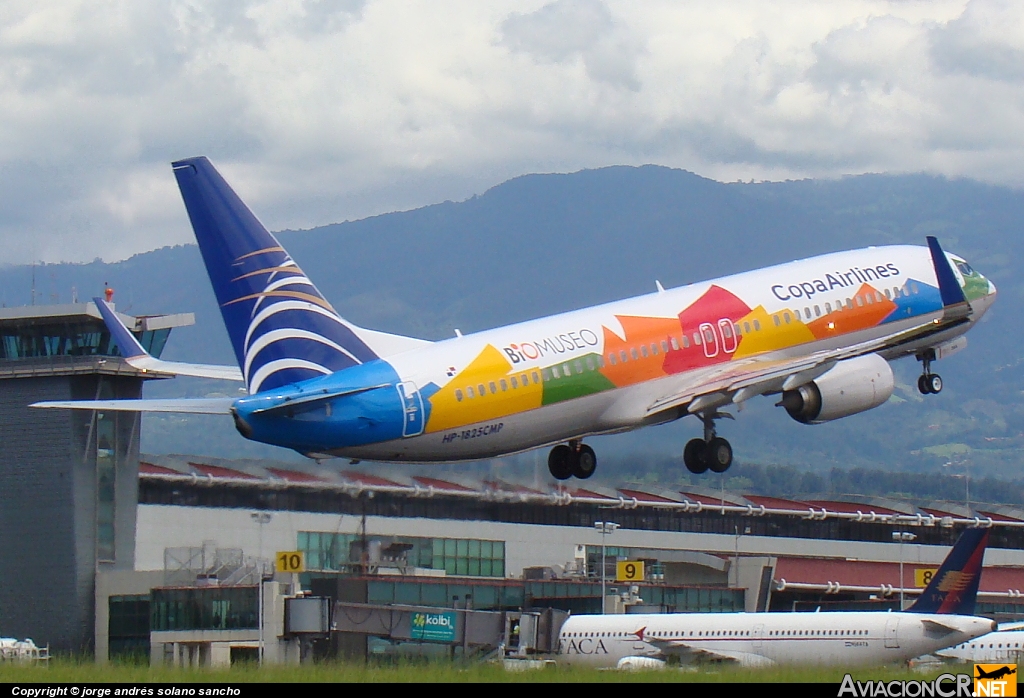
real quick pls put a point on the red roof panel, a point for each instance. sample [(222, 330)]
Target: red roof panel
[(218, 471), (874, 574), (294, 475), (777, 503), (641, 496), (850, 507), (151, 469), (371, 480)]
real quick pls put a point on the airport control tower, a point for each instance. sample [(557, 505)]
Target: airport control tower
[(68, 478)]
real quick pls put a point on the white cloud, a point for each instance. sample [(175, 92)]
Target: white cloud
[(320, 111)]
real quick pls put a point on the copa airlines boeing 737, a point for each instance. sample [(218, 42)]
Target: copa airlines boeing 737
[(819, 332), (941, 617)]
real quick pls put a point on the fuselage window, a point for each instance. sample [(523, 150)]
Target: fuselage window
[(458, 395), (746, 328), (547, 374), (664, 346), (878, 297), (686, 342), (696, 339), (600, 361), (536, 378), (579, 367), (555, 373), (494, 388), (860, 303), (611, 359), (828, 308), (888, 294), (622, 355), (757, 325), (775, 318), (869, 298), (469, 392), (807, 312), (482, 389), (817, 312), (654, 349), (727, 330), (632, 352), (643, 350), (786, 317), (567, 370), (913, 289), (709, 336), (737, 329), (515, 382), (849, 303), (675, 344), (590, 363)]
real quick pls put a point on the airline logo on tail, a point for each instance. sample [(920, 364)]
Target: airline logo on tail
[(954, 588), (282, 329)]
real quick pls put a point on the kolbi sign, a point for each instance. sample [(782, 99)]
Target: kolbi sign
[(436, 627)]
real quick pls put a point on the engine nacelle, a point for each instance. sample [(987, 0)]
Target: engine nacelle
[(851, 386)]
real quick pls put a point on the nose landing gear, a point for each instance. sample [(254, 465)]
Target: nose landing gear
[(929, 383), (573, 460), (710, 453)]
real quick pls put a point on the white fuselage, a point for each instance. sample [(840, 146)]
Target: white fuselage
[(772, 323), (764, 639)]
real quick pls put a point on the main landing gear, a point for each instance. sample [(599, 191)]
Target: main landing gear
[(710, 453), (929, 383), (575, 460)]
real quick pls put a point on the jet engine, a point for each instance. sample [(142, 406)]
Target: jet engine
[(849, 387)]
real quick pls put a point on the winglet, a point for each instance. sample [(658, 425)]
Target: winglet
[(954, 588), (949, 288), (126, 342)]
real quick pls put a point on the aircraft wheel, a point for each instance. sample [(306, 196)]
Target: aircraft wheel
[(585, 462), (935, 383), (718, 455), (560, 462), (693, 456), (922, 385)]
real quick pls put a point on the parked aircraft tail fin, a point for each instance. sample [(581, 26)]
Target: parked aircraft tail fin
[(282, 329), (954, 588)]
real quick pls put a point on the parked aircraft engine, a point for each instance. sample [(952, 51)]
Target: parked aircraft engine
[(851, 386)]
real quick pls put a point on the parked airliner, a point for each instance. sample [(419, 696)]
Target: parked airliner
[(817, 332), (1006, 644), (941, 617)]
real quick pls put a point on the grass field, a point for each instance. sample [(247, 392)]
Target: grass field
[(63, 671)]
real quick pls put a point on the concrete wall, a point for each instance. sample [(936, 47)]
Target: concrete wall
[(48, 508)]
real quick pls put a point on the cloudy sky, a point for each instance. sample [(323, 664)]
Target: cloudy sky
[(319, 111)]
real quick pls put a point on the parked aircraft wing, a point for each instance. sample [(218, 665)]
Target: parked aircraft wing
[(214, 405), (687, 653), (135, 355)]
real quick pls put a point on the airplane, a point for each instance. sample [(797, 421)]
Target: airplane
[(818, 332), (1006, 644), (942, 616)]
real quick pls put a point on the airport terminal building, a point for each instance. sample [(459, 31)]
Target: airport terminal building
[(174, 557)]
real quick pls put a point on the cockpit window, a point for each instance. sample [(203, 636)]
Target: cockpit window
[(964, 268)]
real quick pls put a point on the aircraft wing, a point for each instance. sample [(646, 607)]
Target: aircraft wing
[(215, 405), (135, 355), (687, 653), (743, 379)]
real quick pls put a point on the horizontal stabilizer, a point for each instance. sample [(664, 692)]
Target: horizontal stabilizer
[(137, 357), (305, 402), (936, 628), (215, 405)]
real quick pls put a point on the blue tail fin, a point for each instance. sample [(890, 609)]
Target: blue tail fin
[(282, 330), (954, 588)]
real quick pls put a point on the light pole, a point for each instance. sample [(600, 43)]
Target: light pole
[(262, 518), (605, 528), (901, 537)]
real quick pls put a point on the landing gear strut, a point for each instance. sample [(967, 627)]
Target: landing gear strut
[(575, 460), (710, 453), (929, 383)]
